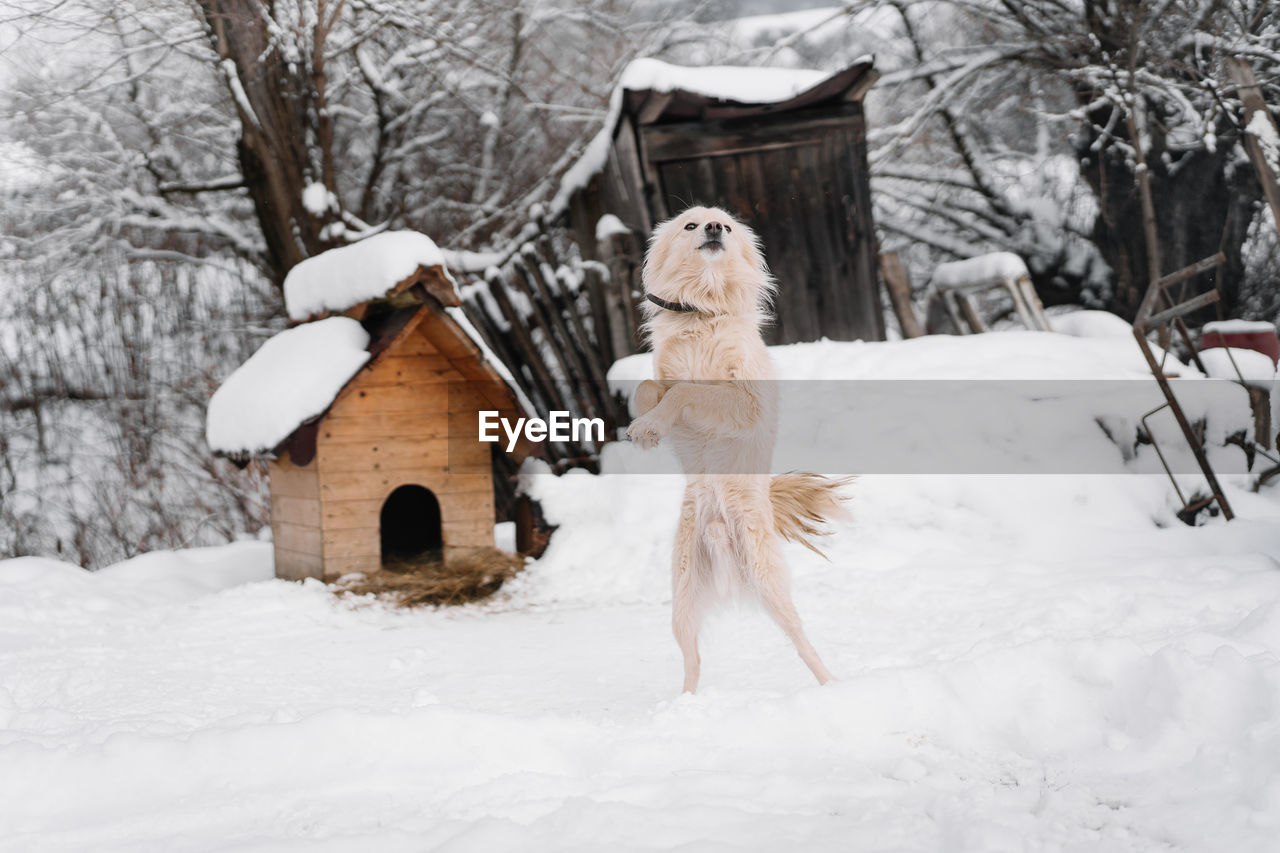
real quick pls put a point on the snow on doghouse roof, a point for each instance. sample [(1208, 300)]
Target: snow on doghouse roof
[(340, 278), (712, 91), (292, 378)]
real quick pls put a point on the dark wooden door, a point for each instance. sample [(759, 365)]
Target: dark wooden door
[(801, 184)]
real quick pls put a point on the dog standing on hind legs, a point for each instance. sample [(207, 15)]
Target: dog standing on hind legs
[(708, 292)]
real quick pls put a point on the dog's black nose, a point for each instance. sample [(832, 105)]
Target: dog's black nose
[(714, 229)]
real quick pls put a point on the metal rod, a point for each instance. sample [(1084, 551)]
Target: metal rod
[(1184, 424), (1152, 436)]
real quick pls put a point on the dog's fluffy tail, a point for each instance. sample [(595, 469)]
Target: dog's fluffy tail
[(803, 502)]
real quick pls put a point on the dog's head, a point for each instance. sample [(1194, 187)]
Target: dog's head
[(705, 258)]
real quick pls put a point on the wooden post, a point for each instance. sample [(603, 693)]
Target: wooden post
[(595, 278), (1251, 97), (524, 524), (970, 313), (1019, 305), (500, 342), (532, 356), (898, 283), (1033, 304), (555, 331), (563, 303), (949, 303), (622, 254)]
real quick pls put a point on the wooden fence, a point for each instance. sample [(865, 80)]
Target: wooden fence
[(558, 322)]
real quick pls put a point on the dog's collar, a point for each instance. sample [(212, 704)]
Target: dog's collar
[(681, 307)]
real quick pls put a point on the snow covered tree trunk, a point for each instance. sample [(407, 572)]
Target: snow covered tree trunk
[(1172, 93), (1202, 206), (279, 95)]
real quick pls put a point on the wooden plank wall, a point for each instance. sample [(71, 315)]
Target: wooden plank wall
[(617, 189), (295, 519), (389, 428)]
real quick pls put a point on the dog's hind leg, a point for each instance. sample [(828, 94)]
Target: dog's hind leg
[(690, 577), (774, 588), (686, 622), (779, 606)]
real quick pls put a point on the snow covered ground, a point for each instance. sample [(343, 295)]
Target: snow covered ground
[(1026, 663)]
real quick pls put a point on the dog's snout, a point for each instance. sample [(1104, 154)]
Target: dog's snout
[(714, 229)]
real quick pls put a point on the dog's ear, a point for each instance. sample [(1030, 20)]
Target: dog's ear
[(656, 258)]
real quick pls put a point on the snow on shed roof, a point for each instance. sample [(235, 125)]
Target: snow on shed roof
[(744, 84), (340, 278), (292, 378), (730, 85)]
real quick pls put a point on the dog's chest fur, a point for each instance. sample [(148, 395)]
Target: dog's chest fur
[(701, 349)]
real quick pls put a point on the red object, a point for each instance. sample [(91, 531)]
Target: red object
[(1263, 341)]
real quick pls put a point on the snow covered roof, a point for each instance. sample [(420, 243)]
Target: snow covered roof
[(659, 92), (340, 278), (655, 92), (743, 84), (292, 378)]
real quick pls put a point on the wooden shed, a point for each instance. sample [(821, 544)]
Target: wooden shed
[(794, 168), (390, 470)]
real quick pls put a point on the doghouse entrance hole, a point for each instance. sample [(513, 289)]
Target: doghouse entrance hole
[(410, 526)]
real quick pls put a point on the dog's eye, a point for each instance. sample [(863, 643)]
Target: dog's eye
[(691, 226), (727, 229)]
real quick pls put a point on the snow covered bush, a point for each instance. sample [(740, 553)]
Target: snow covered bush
[(104, 377)]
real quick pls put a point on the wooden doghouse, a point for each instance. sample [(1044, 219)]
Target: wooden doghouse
[(391, 469), (795, 169)]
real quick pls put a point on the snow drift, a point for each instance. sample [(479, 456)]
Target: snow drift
[(1027, 663)]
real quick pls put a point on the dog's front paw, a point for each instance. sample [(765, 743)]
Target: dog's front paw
[(646, 431)]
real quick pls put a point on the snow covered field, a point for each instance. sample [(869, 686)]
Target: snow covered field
[(1026, 663)]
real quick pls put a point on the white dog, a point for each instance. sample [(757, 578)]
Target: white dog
[(708, 293)]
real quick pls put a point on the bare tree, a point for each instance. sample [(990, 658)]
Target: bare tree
[(275, 130), (170, 161), (1115, 84)]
